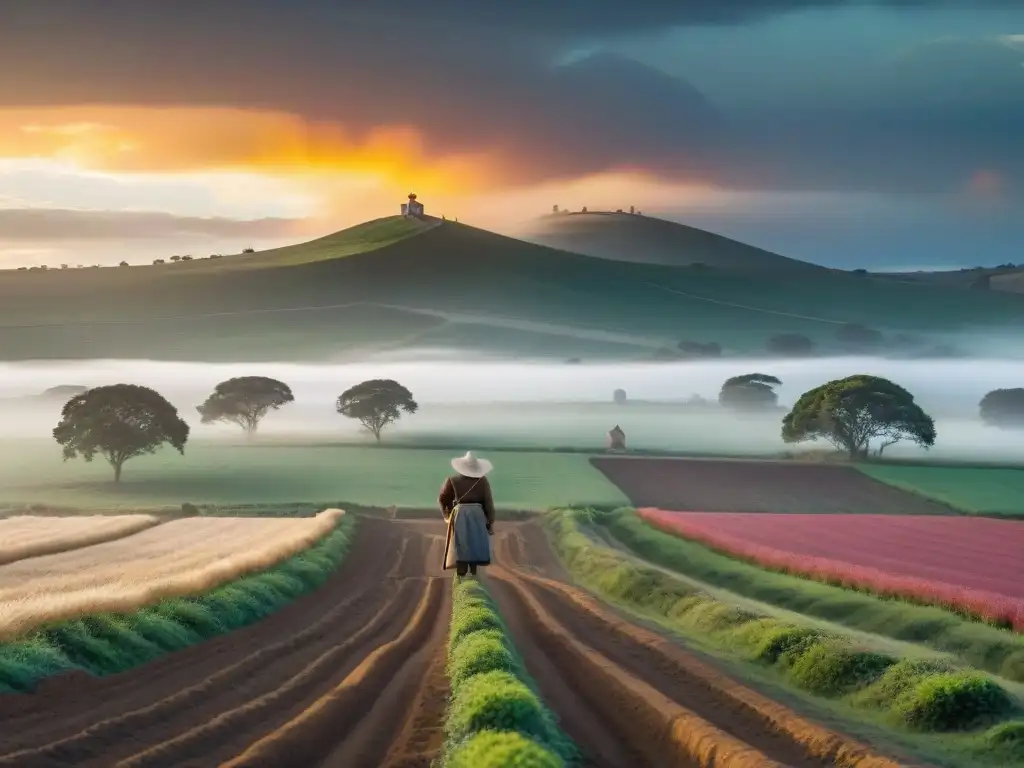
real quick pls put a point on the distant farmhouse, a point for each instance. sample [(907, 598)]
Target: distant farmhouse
[(412, 209)]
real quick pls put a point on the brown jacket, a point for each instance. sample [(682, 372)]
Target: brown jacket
[(469, 490)]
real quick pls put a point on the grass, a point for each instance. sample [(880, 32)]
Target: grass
[(123, 312), (938, 707), (179, 558), (495, 718), (994, 491), (986, 647), (108, 643), (218, 473)]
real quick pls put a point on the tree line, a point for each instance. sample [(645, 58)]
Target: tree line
[(121, 421), (856, 414)]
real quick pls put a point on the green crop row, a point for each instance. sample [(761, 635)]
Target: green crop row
[(980, 645), (915, 695), (104, 644), (495, 718)]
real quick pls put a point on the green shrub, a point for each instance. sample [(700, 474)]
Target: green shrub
[(479, 652), (496, 701), (898, 679), (954, 701), (832, 668), (472, 618), (492, 749), (775, 642), (492, 694)]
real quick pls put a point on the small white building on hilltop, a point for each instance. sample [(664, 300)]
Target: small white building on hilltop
[(413, 208)]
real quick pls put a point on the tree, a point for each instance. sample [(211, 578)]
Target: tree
[(119, 422), (852, 412), (158, 261), (376, 403), (749, 392), (248, 250), (619, 396), (858, 337), (124, 264), (791, 345), (244, 401), (1003, 408), (175, 257), (186, 257)]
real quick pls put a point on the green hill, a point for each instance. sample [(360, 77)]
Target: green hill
[(648, 240), (396, 284)]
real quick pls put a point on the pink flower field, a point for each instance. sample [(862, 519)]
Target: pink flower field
[(969, 565)]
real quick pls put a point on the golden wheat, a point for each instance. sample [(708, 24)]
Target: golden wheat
[(29, 536), (183, 557)]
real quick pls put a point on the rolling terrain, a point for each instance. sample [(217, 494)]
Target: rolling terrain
[(647, 240), (396, 284)]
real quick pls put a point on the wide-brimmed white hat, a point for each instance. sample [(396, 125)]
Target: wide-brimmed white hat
[(470, 466)]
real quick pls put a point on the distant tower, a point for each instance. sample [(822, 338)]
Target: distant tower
[(413, 208), (616, 439), (554, 208), (632, 209)]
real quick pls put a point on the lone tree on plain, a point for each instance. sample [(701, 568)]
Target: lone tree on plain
[(852, 412), (749, 392), (376, 403), (1003, 408), (119, 422), (244, 401)]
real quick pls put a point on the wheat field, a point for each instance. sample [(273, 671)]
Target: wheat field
[(31, 536), (175, 559)]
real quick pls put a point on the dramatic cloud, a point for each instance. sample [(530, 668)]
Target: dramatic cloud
[(456, 90), (39, 225)]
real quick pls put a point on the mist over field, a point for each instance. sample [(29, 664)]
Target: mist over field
[(503, 404)]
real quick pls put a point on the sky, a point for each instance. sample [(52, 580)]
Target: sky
[(850, 133)]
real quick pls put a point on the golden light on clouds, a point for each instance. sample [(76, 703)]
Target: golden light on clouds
[(198, 139)]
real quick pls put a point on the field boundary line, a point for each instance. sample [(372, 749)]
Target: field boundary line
[(292, 743), (747, 306), (822, 741)]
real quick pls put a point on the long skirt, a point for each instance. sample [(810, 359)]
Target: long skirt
[(468, 542)]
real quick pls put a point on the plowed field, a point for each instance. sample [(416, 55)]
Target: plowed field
[(352, 675), (711, 485)]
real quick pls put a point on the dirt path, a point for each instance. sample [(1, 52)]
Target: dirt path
[(630, 697), (346, 675)]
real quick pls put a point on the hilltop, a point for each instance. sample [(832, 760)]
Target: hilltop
[(405, 284), (632, 237)]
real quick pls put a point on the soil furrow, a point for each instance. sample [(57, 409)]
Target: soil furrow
[(313, 735), (358, 634), (551, 618)]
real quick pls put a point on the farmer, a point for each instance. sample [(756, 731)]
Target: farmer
[(468, 508)]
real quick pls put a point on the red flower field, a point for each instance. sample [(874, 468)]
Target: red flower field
[(970, 565)]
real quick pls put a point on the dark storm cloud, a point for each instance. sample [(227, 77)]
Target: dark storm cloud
[(470, 75), (39, 224)]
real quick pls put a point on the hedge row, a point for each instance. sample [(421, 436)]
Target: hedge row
[(495, 718)]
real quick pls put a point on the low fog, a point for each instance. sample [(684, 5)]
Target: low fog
[(540, 404)]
